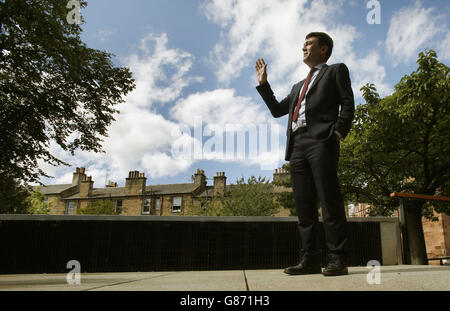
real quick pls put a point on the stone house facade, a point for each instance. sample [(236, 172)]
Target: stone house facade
[(138, 198)]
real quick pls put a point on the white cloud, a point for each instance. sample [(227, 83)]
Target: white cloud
[(444, 48), (368, 70), (161, 164), (275, 30), (140, 138), (410, 30), (160, 72), (222, 118), (220, 107)]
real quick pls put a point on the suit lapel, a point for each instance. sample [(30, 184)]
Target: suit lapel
[(319, 76), (296, 92), (298, 88)]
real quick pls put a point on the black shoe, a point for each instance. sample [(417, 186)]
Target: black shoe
[(306, 266), (336, 266)]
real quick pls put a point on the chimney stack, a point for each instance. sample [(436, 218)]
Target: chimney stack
[(111, 184), (200, 178), (78, 176), (280, 174), (86, 187), (220, 182), (135, 183)]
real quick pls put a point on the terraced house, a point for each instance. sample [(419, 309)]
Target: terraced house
[(136, 198)]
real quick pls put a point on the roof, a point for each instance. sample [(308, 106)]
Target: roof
[(171, 188), (53, 189), (209, 191), (116, 192)]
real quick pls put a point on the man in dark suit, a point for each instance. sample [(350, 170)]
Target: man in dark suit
[(321, 109)]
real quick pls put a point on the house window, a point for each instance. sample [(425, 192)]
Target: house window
[(70, 208), (146, 206), (118, 208), (157, 204), (176, 205)]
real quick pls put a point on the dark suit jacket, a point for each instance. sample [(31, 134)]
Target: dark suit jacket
[(330, 91)]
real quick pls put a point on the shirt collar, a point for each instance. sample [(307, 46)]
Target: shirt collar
[(319, 66)]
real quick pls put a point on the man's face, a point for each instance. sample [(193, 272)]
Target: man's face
[(312, 53)]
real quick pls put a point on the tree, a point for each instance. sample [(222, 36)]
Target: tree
[(400, 143), (13, 196), (103, 207), (254, 198), (18, 199), (52, 87), (36, 203), (286, 198), (206, 207)]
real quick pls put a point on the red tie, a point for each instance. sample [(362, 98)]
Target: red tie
[(302, 95)]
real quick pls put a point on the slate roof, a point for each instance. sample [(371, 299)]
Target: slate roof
[(53, 189), (171, 188), (116, 192)]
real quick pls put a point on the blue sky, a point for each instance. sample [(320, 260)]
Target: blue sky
[(194, 60)]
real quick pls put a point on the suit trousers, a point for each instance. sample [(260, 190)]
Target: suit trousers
[(313, 166)]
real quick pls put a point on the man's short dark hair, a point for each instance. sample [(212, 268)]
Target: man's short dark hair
[(324, 39)]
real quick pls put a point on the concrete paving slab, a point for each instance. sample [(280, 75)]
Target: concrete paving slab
[(58, 282), (391, 278), (186, 281)]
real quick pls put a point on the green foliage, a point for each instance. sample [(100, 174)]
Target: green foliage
[(13, 196), (206, 207), (252, 198), (400, 143), (286, 199), (36, 203), (16, 198), (104, 207), (53, 88)]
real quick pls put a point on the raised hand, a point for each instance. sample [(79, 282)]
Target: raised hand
[(261, 71)]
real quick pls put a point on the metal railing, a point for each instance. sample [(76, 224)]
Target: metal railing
[(45, 243)]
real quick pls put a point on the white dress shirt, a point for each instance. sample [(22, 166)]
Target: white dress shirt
[(301, 121)]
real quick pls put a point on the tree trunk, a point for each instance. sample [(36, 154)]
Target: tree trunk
[(414, 230)]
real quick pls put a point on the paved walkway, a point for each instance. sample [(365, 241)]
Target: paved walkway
[(391, 278)]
